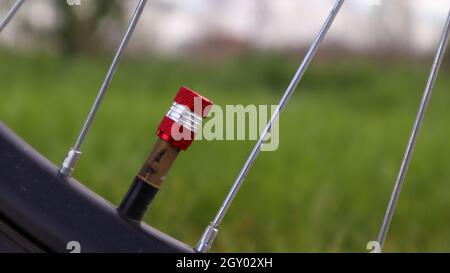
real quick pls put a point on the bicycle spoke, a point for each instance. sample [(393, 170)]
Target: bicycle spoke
[(70, 161), (4, 22), (211, 230), (413, 137)]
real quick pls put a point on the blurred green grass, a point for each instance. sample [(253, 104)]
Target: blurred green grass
[(326, 187)]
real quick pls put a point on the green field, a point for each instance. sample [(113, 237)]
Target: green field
[(326, 187)]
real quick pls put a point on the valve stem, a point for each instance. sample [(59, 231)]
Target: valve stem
[(176, 132)]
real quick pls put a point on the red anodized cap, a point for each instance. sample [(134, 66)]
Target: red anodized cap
[(183, 120)]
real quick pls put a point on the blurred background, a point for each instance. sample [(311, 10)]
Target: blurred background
[(341, 137)]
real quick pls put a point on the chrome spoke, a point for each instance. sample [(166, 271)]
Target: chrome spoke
[(211, 230), (4, 22), (70, 161), (413, 137)]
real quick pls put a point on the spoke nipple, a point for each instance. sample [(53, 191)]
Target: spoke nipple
[(69, 163), (207, 239)]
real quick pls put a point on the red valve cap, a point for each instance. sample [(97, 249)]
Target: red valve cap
[(184, 118)]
